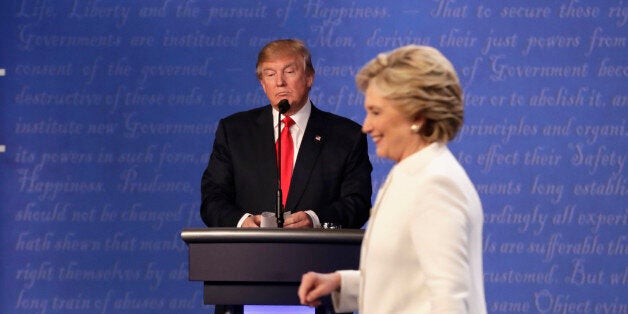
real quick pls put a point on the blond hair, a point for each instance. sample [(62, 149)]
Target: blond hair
[(284, 47), (421, 82)]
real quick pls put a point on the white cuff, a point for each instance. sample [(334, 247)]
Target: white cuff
[(316, 223), (241, 221), (346, 300)]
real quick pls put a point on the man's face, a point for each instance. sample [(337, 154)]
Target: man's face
[(284, 77)]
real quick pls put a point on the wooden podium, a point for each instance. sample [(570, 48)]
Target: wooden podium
[(264, 266)]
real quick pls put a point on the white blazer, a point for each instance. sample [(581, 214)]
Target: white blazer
[(422, 249)]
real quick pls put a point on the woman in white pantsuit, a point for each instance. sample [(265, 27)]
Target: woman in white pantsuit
[(422, 249)]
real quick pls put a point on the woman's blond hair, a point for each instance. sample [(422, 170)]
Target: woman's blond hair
[(421, 82)]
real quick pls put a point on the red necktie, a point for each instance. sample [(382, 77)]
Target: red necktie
[(287, 157)]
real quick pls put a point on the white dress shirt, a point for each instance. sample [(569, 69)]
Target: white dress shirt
[(297, 130)]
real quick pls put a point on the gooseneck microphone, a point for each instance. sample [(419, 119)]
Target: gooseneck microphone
[(283, 107)]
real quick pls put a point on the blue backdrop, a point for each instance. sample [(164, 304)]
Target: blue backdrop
[(109, 110)]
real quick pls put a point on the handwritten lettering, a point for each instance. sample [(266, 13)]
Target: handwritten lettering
[(29, 40), (592, 132), (501, 71), (199, 39), (93, 9), (257, 11), (134, 129), (535, 218), (112, 107), (316, 9), (30, 182), (599, 221), (506, 130)]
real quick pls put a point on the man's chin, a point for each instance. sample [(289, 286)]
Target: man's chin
[(290, 101)]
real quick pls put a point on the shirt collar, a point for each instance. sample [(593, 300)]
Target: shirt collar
[(300, 117)]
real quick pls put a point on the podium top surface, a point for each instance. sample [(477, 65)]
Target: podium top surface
[(275, 235)]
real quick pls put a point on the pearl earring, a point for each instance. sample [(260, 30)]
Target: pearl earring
[(415, 128)]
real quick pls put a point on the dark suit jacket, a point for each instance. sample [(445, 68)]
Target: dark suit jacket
[(331, 176)]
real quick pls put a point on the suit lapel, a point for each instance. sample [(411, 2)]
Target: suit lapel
[(264, 139), (311, 146)]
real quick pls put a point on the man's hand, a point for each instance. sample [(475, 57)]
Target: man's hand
[(315, 285), (252, 221), (298, 220)]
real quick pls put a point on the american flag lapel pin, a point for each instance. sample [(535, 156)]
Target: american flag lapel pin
[(318, 138)]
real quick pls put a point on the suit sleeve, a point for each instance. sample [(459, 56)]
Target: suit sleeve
[(218, 207), (441, 241), (352, 208), (346, 300)]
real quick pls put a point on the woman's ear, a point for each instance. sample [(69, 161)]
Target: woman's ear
[(417, 123), (418, 119)]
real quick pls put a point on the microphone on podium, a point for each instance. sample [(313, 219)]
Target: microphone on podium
[(283, 107)]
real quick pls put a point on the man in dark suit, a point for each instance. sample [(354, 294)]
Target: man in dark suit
[(331, 180), (331, 171)]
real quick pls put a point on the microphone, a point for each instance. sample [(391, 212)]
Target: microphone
[(283, 107)]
